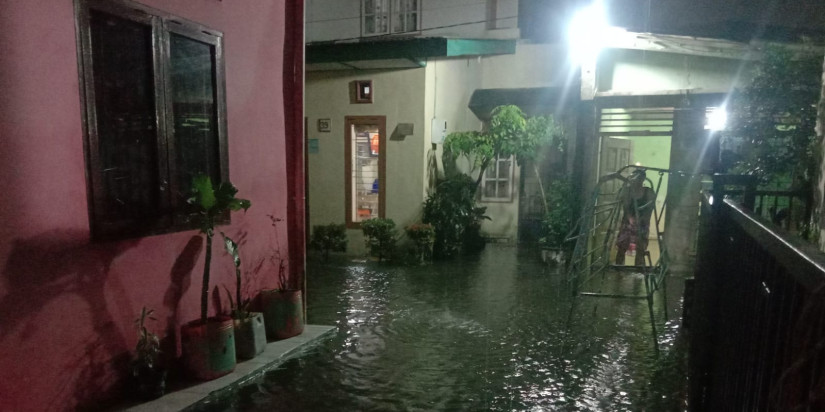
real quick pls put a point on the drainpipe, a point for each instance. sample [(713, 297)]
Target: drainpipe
[(293, 92)]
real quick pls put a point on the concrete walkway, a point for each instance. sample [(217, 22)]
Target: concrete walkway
[(274, 354)]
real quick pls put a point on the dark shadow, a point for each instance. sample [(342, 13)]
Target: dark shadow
[(432, 168), (41, 269), (180, 278), (401, 131)]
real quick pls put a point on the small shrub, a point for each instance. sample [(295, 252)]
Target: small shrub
[(423, 238), (327, 238), (452, 211), (559, 218), (380, 236)]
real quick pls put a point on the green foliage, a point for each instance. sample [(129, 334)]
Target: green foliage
[(510, 133), (772, 120), (451, 209), (380, 236), (477, 147), (147, 350), (558, 220), (423, 238), (329, 238), (211, 203)]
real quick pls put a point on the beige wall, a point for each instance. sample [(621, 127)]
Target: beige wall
[(533, 65), (643, 72), (399, 96), (450, 84)]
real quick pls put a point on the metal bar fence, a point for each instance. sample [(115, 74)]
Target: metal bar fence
[(757, 334)]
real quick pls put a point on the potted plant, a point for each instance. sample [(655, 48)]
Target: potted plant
[(423, 238), (380, 237), (250, 334), (208, 344), (283, 307), (329, 238), (148, 375)]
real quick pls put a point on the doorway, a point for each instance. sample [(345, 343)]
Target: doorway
[(638, 137), (365, 147)]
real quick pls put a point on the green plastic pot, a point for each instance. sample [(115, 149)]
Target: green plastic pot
[(283, 313), (209, 349)]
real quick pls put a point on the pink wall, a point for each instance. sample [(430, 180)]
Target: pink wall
[(67, 305)]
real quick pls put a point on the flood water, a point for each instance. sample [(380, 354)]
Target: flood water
[(499, 331)]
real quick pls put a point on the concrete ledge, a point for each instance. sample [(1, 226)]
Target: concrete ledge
[(274, 354)]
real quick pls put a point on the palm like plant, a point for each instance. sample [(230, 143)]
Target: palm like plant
[(212, 204)]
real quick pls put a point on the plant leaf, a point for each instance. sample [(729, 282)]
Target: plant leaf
[(203, 193)]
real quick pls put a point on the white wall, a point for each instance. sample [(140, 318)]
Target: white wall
[(398, 95), (341, 19), (332, 19), (643, 72), (533, 65)]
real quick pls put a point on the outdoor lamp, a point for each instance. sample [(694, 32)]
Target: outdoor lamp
[(587, 32), (716, 119)]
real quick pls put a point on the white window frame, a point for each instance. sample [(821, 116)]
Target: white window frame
[(390, 16), (498, 197)]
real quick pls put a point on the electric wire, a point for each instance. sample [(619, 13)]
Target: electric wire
[(429, 9)]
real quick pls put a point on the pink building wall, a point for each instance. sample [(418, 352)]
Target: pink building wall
[(66, 304)]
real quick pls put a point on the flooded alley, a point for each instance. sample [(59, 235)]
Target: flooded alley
[(500, 331)]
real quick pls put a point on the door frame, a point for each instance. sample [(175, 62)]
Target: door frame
[(381, 122)]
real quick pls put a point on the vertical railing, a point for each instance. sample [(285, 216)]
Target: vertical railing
[(757, 328)]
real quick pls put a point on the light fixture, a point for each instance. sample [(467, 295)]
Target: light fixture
[(716, 119), (588, 32)]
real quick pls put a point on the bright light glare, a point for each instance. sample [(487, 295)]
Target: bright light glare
[(588, 32), (717, 119)]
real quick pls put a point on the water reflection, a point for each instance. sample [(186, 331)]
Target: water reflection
[(497, 332)]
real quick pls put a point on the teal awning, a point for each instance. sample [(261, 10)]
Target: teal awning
[(398, 53)]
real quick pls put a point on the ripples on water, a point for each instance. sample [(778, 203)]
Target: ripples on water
[(496, 332)]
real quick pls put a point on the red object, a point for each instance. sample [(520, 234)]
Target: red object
[(293, 85), (374, 143)]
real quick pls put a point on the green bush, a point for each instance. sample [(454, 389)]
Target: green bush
[(452, 211), (380, 236), (327, 238), (423, 237), (559, 218)]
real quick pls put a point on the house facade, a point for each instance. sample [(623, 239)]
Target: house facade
[(432, 89), (90, 226)]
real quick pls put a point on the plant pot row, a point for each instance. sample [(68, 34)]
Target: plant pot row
[(212, 346), (210, 350)]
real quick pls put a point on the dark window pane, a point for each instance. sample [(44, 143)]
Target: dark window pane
[(504, 169), (125, 110), (490, 189), (503, 190), (194, 110), (412, 22)]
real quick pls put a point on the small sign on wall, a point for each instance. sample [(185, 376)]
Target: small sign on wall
[(323, 125), (313, 146)]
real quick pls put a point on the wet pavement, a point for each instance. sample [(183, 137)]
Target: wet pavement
[(499, 331)]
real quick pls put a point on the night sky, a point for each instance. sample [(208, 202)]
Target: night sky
[(743, 20)]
